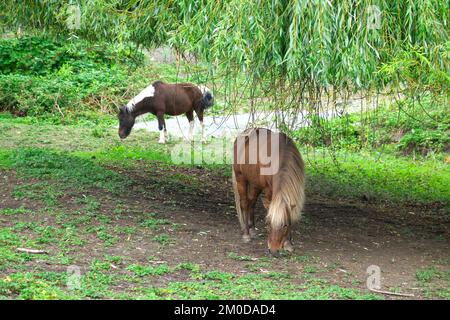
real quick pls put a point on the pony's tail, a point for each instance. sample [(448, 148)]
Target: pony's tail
[(237, 199)]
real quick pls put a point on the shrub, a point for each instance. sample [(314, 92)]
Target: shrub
[(40, 76), (409, 126), (40, 55)]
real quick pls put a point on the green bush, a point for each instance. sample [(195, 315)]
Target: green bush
[(42, 77), (39, 55), (410, 127), (340, 132), (36, 95), (423, 141)]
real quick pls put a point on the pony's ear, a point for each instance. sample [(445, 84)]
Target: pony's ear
[(123, 110)]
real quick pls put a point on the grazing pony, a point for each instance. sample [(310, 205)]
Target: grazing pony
[(268, 162), (162, 98)]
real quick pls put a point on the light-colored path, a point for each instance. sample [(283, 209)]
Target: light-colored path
[(218, 126)]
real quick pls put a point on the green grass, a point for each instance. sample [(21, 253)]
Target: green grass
[(235, 256), (428, 277), (42, 191), (369, 174), (378, 177), (10, 211), (35, 286), (223, 285), (69, 170), (195, 268), (151, 221), (163, 239), (90, 122), (394, 153), (75, 184), (142, 271), (97, 282)]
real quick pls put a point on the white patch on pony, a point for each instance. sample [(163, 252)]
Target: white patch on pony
[(146, 93), (204, 89)]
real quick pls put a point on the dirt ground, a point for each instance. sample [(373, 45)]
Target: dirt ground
[(344, 237), (348, 235)]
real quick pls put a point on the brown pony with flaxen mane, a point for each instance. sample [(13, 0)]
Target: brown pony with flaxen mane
[(270, 163)]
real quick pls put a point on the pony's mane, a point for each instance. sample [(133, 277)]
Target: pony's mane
[(204, 89), (289, 195)]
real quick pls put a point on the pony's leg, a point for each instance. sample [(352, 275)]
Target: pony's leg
[(161, 127), (190, 116), (267, 198), (253, 194), (242, 186), (287, 245), (166, 133), (200, 118), (203, 131)]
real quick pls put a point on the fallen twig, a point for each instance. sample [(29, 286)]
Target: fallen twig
[(392, 293), (33, 251)]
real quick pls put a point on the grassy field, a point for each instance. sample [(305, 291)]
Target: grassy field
[(124, 215), (51, 170), (373, 174)]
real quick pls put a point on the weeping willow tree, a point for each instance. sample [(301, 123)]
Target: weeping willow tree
[(291, 52)]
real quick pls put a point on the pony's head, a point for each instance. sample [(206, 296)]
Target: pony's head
[(126, 122), (208, 97), (279, 228)]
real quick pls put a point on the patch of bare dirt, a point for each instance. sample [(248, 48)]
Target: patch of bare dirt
[(344, 237)]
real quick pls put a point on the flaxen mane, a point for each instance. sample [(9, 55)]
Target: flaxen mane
[(289, 195)]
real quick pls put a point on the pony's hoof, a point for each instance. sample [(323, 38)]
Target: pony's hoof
[(161, 142), (252, 232), (246, 238), (288, 246)]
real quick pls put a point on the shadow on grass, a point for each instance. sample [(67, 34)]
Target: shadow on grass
[(74, 171)]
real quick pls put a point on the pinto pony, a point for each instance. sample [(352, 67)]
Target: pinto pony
[(162, 98), (268, 162)]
